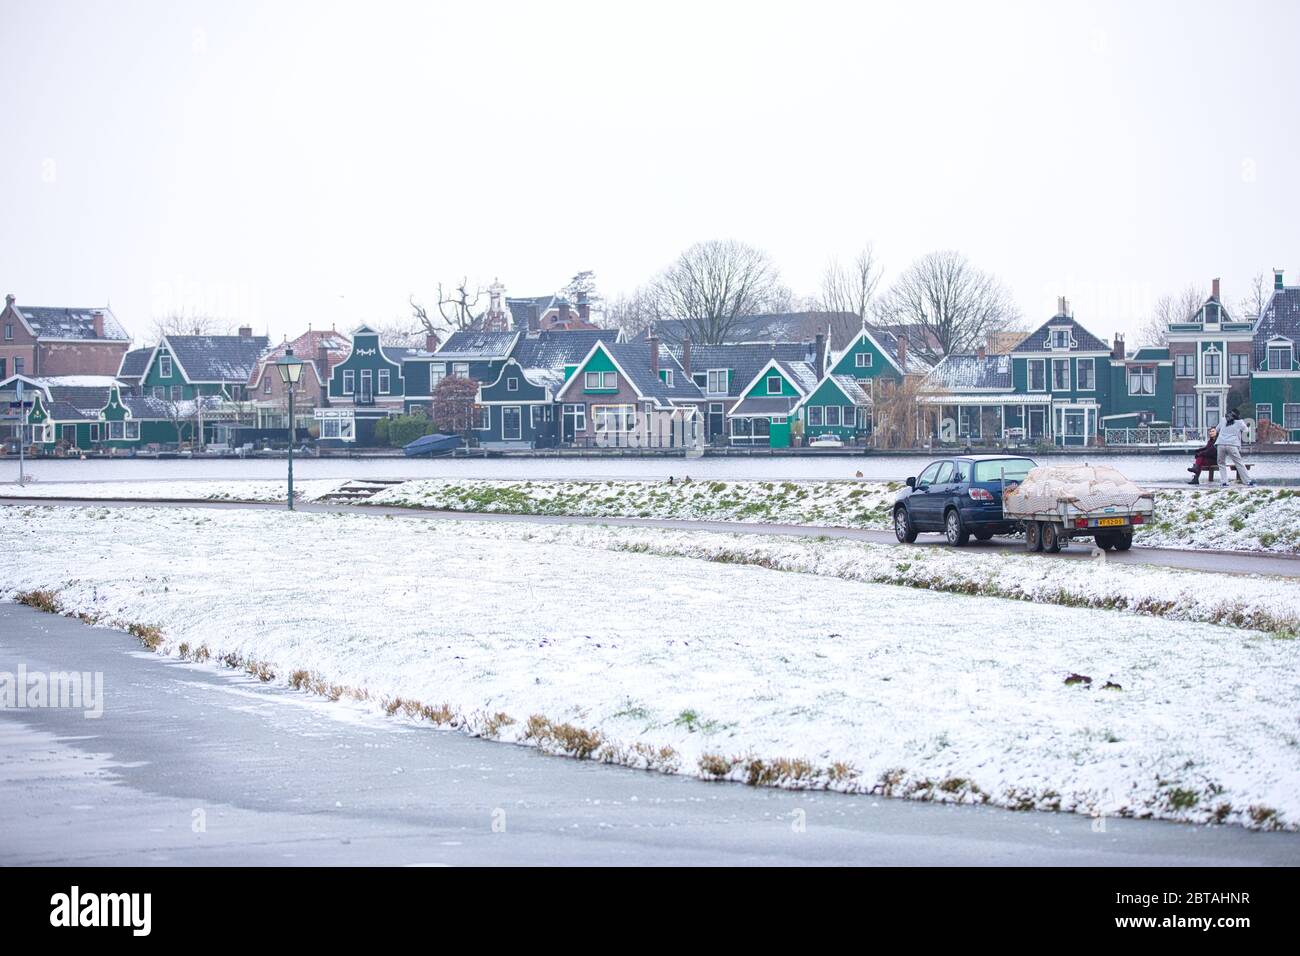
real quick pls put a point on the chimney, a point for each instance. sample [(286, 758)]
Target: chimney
[(564, 312), (1214, 290), (584, 307), (10, 299), (245, 331), (686, 356), (533, 322), (1277, 284), (1062, 306), (97, 320), (1117, 352), (981, 353), (654, 354), (902, 352), (431, 342), (820, 346)]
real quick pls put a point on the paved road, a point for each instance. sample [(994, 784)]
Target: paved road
[(1221, 562), (284, 778)]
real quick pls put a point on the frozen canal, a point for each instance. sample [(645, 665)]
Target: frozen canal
[(885, 467)]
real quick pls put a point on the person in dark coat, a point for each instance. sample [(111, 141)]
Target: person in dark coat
[(1207, 456)]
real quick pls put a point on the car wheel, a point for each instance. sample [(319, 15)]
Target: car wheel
[(903, 529), (1123, 540), (1033, 536), (1051, 537), (952, 528)]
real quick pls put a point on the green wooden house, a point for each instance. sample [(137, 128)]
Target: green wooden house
[(1275, 376)]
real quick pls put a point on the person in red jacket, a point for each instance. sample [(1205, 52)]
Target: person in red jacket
[(1207, 456)]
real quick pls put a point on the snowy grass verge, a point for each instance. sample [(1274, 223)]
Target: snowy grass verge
[(311, 489), (582, 642)]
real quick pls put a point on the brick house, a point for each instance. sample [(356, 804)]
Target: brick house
[(55, 340), (1211, 354), (268, 396)]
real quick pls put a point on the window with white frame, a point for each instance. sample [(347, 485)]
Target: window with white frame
[(667, 377), (512, 384), (717, 381), (132, 430), (1185, 365), (1060, 339), (575, 417), (833, 416), (349, 381), (115, 431), (1185, 411), (851, 417), (1279, 356), (1141, 380), (1060, 375), (460, 369), (385, 381), (1086, 371), (484, 418), (701, 380), (176, 393), (600, 380), (94, 431), (164, 366), (437, 372), (1238, 365), (1037, 371), (9, 331), (774, 385), (512, 423), (1213, 365), (160, 392), (266, 383), (815, 418), (1291, 417), (613, 418), (862, 360), (1264, 412)]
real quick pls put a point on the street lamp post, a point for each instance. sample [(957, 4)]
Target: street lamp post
[(290, 369)]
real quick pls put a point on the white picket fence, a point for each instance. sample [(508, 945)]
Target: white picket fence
[(1153, 436)]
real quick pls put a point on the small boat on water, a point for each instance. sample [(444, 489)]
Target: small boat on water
[(430, 446)]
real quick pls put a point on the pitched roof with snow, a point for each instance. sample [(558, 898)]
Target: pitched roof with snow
[(134, 363), (970, 372), (777, 327), (744, 361), (634, 359), (1279, 319), (61, 322), (1040, 340), (480, 346), (554, 349), (218, 358)]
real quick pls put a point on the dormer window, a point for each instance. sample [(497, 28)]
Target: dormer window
[(1280, 356), (667, 375), (774, 385), (1060, 340), (165, 366)]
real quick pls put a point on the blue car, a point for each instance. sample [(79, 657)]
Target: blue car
[(959, 497)]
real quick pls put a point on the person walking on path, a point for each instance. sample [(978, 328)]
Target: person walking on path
[(1206, 457), (1229, 446)]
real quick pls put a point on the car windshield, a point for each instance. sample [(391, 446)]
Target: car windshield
[(1013, 469)]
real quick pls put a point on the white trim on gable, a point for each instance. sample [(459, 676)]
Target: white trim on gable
[(762, 373)]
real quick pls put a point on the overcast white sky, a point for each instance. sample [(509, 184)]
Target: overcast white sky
[(286, 163)]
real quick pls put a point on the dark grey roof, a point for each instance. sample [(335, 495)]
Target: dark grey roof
[(1039, 339), (402, 353), (134, 363), (634, 359), (145, 406), (888, 340), (65, 412), (477, 345), (59, 322), (851, 387), (777, 326), (218, 358), (971, 372), (86, 399), (744, 360), (765, 405), (523, 308), (556, 348), (1280, 317)]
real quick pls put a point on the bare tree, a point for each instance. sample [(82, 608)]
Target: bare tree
[(850, 288), (634, 314), (401, 335), (952, 304), (457, 309), (713, 284), (1169, 309), (189, 323), (1258, 291)]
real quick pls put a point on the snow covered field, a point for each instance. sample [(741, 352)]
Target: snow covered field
[(581, 641), (1238, 519)]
